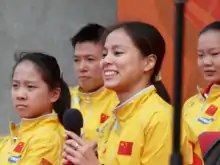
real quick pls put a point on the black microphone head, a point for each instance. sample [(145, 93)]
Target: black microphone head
[(73, 121)]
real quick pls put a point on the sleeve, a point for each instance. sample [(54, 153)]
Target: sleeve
[(44, 150), (3, 140), (190, 147), (158, 139)]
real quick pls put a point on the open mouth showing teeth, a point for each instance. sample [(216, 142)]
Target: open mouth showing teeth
[(110, 73)]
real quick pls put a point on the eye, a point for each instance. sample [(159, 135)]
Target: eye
[(75, 59), (104, 54), (200, 55), (31, 87), (118, 53), (215, 53), (91, 59), (14, 85)]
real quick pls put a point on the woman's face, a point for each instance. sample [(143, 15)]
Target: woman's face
[(123, 65), (31, 96), (209, 55)]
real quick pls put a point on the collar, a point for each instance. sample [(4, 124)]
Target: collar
[(130, 106), (31, 124), (210, 93), (98, 94)]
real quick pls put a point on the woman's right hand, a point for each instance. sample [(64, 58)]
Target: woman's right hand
[(79, 152)]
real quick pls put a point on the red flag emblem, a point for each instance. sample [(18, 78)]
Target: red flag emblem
[(211, 110), (45, 162), (103, 118), (125, 148), (19, 147)]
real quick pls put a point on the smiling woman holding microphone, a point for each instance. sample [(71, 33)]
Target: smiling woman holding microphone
[(140, 132)]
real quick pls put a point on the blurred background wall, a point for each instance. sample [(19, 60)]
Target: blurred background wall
[(43, 25)]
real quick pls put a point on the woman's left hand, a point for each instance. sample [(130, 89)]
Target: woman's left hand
[(79, 152)]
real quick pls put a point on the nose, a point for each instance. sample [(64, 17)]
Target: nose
[(82, 66), (21, 94), (107, 60), (207, 60)]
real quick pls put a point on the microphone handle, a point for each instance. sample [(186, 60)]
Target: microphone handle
[(176, 157)]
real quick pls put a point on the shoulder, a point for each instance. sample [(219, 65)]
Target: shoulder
[(156, 111), (156, 105), (48, 136), (190, 104), (191, 100)]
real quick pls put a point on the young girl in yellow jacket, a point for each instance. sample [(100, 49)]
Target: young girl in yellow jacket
[(202, 110), (140, 132), (37, 91)]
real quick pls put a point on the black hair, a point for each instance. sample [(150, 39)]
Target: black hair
[(214, 26), (90, 33), (51, 74), (149, 41)]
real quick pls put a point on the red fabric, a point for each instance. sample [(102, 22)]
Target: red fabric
[(208, 139)]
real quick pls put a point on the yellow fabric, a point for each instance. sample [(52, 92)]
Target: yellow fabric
[(95, 107), (196, 111), (194, 145), (145, 120), (41, 139), (2, 138)]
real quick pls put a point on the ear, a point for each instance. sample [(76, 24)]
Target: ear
[(150, 62), (55, 95)]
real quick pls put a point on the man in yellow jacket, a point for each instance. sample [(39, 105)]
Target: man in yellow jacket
[(93, 100)]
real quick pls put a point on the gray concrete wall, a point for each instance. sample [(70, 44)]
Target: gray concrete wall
[(43, 25)]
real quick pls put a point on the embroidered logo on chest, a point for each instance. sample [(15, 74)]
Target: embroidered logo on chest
[(14, 159), (204, 120)]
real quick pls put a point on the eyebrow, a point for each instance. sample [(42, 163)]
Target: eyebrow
[(85, 55), (26, 81), (117, 47)]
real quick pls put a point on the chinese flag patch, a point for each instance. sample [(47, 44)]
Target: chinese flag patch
[(103, 118), (19, 147), (45, 162), (125, 148), (211, 110)]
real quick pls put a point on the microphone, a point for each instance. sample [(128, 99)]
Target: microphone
[(73, 121)]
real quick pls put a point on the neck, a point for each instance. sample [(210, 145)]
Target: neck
[(90, 90), (126, 94)]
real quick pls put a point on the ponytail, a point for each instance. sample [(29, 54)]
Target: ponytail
[(64, 101), (161, 90)]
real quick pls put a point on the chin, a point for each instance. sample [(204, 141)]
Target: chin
[(212, 79), (111, 86)]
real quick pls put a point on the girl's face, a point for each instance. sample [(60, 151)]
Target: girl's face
[(31, 96), (209, 55), (124, 67)]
